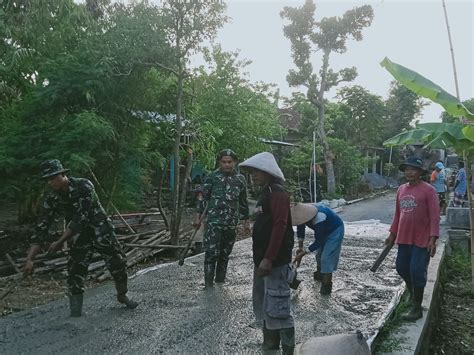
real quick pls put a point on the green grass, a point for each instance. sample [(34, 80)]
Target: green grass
[(384, 343)]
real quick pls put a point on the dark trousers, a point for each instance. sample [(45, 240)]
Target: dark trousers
[(412, 264), (81, 253)]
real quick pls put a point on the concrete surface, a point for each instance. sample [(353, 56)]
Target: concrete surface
[(457, 217), (177, 316)]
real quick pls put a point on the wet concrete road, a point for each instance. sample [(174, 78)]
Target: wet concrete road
[(177, 316)]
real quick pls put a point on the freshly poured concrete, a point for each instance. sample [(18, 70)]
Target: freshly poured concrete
[(177, 315)]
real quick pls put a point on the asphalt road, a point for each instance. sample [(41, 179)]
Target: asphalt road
[(177, 316)]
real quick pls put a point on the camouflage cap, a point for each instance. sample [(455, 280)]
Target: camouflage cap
[(52, 167), (227, 153)]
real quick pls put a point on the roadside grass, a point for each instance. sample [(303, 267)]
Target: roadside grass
[(384, 343)]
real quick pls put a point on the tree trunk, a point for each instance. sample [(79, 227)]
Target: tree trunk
[(184, 185), (328, 156), (158, 196)]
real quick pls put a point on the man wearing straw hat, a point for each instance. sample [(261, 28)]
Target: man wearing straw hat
[(272, 244), (88, 229), (415, 228), (328, 234)]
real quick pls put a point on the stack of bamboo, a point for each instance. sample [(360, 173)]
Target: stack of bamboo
[(138, 247)]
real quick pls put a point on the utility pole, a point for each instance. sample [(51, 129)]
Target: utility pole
[(315, 194), (452, 51)]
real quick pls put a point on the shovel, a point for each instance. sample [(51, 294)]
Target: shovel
[(190, 241)]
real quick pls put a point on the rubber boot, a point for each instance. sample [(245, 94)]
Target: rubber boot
[(326, 284), (409, 289), (317, 276), (287, 336), (271, 339), (415, 312), (209, 272), (75, 304), (121, 287), (221, 271)]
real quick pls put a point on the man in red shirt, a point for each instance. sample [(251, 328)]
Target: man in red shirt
[(415, 228), (272, 244)]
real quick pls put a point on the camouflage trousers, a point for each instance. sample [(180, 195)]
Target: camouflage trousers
[(81, 253), (218, 244)]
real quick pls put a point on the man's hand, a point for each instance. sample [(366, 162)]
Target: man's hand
[(28, 268), (299, 256), (265, 268), (432, 246), (247, 229), (55, 246), (390, 239)]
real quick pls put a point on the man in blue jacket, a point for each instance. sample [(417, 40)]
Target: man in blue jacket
[(328, 234)]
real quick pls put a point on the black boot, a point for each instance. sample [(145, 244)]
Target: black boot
[(271, 339), (416, 311), (409, 290), (326, 284), (121, 287), (209, 272), (75, 304), (317, 276), (221, 271), (287, 336)]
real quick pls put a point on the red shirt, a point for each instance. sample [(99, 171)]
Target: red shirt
[(416, 215)]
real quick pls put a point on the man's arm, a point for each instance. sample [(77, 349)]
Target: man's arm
[(41, 233), (203, 202), (244, 206)]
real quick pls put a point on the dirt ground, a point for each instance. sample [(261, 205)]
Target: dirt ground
[(453, 331)]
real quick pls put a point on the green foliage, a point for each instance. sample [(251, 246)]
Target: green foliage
[(403, 107), (447, 118), (229, 111), (364, 116), (76, 87)]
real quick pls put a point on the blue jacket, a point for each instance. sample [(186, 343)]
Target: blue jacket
[(325, 222)]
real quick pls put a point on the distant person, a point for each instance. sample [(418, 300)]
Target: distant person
[(415, 228), (225, 195), (272, 244), (88, 229), (438, 180), (328, 230), (460, 186)]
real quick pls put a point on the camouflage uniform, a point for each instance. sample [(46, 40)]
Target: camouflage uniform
[(92, 231), (226, 197)]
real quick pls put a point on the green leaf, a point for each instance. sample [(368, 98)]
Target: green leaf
[(426, 88), (468, 132)]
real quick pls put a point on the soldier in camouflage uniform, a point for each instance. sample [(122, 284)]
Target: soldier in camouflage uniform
[(226, 197), (88, 229)]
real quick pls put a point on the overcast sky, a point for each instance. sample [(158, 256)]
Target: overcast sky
[(411, 33)]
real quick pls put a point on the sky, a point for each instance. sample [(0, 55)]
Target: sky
[(410, 33)]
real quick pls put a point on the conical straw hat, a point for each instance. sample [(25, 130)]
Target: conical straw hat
[(265, 162), (302, 213)]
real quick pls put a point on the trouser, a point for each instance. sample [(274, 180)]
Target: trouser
[(271, 299), (82, 251), (412, 264), (218, 244), (327, 257)]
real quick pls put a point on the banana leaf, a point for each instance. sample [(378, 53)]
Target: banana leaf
[(437, 136), (426, 88)]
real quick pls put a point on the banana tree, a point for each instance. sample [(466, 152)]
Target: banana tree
[(458, 136)]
